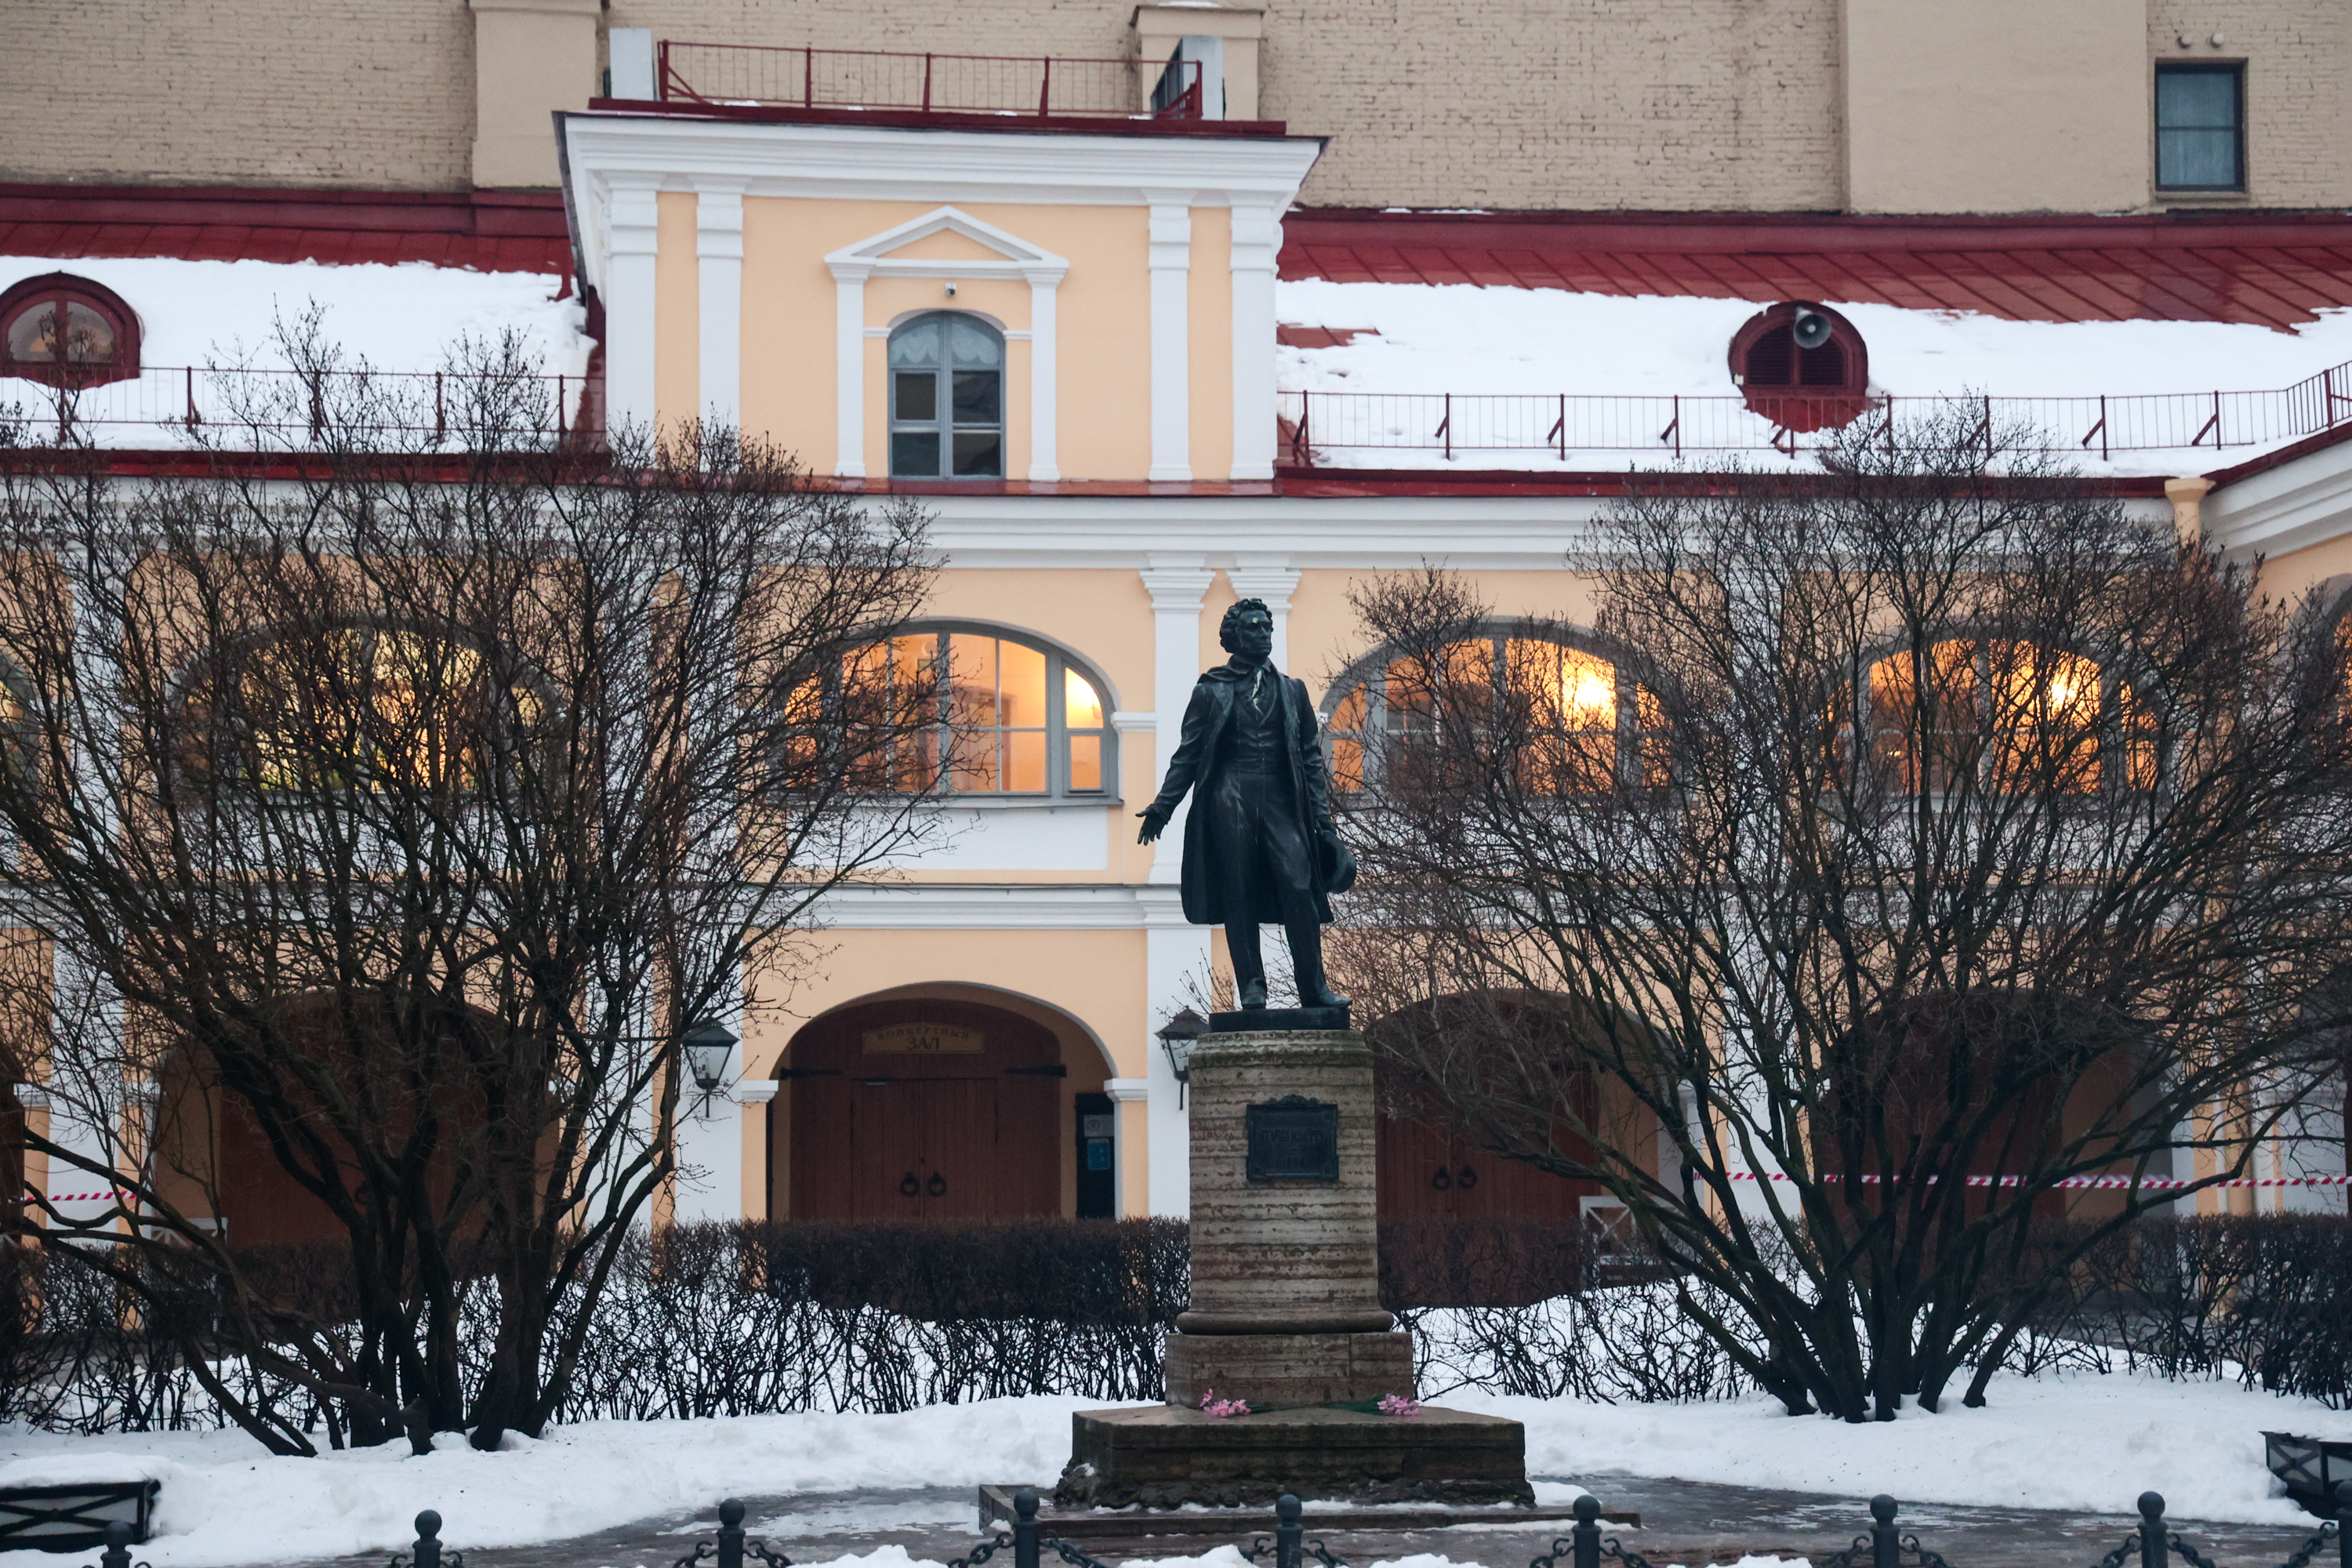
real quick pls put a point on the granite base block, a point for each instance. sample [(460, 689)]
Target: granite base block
[(1166, 1457), (1273, 1372)]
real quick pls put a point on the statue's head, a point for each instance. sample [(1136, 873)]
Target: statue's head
[(1248, 629)]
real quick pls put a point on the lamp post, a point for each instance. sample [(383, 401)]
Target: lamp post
[(705, 1050), (1176, 1038)]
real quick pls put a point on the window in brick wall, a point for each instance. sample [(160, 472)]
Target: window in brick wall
[(2201, 127)]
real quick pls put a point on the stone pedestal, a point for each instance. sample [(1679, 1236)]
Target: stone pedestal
[(1285, 1313)]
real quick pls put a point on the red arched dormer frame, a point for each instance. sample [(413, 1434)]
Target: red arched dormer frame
[(102, 332), (1797, 388)]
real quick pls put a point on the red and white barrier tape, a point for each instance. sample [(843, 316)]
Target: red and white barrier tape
[(2110, 1184), (77, 1197)]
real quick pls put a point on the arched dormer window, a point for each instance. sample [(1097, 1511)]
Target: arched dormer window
[(358, 706), (1584, 725), (64, 330), (976, 710), (2013, 716), (947, 398), (1801, 365)]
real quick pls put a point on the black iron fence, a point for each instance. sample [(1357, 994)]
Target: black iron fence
[(2150, 1544)]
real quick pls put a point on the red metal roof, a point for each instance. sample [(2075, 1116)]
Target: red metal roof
[(494, 231), (2269, 269)]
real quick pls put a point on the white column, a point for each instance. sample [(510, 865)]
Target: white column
[(1257, 240), (849, 368), (1177, 585), (1271, 578), (709, 1183), (633, 218), (1176, 975), (719, 256), (1133, 1139), (1171, 339), (1044, 408)]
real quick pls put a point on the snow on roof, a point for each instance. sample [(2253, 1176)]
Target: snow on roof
[(402, 317), (1468, 339)]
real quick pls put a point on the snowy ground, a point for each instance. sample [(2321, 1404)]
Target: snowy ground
[(2086, 1443)]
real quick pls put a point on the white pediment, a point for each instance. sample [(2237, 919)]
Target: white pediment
[(1004, 255)]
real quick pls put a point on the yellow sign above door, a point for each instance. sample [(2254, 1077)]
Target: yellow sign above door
[(924, 1040)]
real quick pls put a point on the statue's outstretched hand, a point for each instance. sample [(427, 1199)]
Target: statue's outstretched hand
[(1155, 819)]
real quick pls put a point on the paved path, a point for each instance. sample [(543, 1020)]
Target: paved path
[(1686, 1522)]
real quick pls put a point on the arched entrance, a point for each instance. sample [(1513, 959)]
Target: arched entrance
[(922, 1108), (213, 1154)]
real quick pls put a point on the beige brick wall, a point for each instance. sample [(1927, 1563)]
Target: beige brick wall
[(366, 93), (2298, 56), (1505, 104), (1667, 104), (1523, 103)]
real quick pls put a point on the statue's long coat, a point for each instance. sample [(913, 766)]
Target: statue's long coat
[(1208, 721)]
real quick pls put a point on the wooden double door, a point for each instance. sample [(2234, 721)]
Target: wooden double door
[(925, 1111)]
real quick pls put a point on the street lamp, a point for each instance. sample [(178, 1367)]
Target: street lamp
[(706, 1047), (1176, 1038)]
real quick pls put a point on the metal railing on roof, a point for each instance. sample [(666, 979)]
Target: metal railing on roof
[(765, 76), (1563, 426), (245, 408)]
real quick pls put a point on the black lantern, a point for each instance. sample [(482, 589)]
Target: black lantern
[(706, 1048), (1176, 1038)]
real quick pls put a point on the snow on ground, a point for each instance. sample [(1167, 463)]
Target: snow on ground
[(399, 317), (2084, 1442)]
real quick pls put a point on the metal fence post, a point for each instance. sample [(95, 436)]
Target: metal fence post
[(118, 1546), (1024, 1528), (427, 1551), (1288, 1531), (731, 1533), (1587, 1532), (1886, 1541), (2151, 1529), (2344, 1524)]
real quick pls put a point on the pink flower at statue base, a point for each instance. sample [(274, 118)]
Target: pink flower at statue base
[(1222, 1409), (1398, 1405)]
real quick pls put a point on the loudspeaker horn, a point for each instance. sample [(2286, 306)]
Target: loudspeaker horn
[(1811, 329)]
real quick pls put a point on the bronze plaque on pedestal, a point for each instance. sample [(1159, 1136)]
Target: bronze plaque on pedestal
[(1294, 1139)]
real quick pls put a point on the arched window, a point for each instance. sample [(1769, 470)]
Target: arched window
[(67, 331), (947, 398), (358, 706), (2016, 716), (1585, 724), (979, 711), (1800, 365)]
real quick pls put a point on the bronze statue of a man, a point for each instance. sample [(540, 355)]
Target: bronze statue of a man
[(1260, 845)]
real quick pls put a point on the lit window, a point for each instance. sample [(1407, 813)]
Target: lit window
[(1583, 727), (2018, 716), (974, 711), (362, 707), (2201, 127), (947, 398), (67, 331)]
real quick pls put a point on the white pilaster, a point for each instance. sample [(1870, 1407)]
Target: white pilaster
[(1257, 240), (1176, 975), (709, 1183), (1171, 339), (633, 228), (719, 255), (1044, 409), (849, 368), (1130, 1100), (1177, 585), (1273, 579)]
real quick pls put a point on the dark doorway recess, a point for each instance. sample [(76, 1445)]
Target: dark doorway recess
[(923, 1109)]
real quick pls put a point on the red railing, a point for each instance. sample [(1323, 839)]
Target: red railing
[(1562, 426), (765, 76), (246, 408)]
